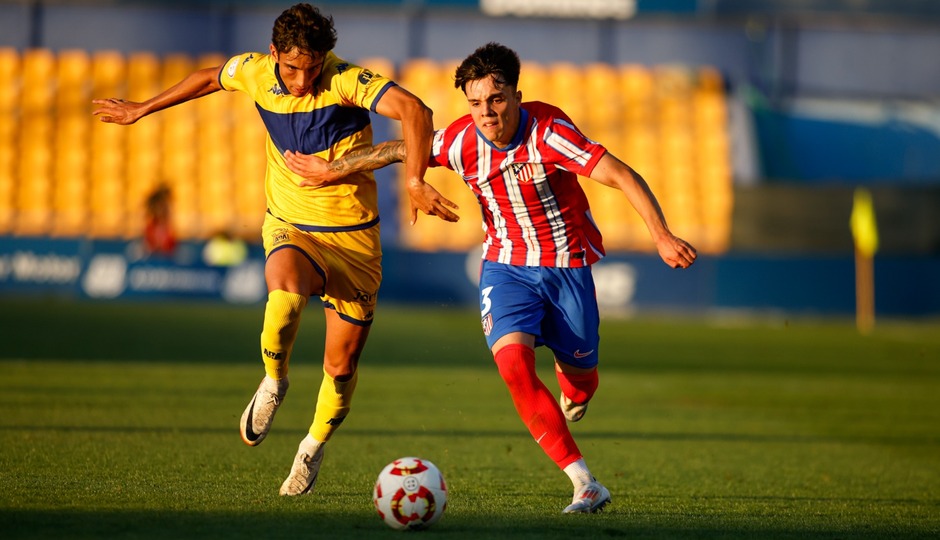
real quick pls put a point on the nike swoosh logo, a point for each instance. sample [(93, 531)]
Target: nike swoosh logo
[(249, 434), (539, 440), (579, 354)]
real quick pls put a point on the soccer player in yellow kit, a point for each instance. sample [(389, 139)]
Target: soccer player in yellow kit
[(323, 242)]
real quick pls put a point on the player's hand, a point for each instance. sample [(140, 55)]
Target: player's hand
[(315, 170), (675, 251), (117, 111), (427, 199)]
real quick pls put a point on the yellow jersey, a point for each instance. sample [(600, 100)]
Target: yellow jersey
[(329, 122)]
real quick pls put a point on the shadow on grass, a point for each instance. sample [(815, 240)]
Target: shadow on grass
[(291, 521)]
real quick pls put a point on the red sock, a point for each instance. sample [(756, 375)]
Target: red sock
[(578, 387), (536, 405)]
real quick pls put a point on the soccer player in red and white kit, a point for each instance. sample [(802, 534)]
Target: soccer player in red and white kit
[(522, 160)]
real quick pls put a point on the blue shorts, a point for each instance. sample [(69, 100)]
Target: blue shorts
[(556, 305)]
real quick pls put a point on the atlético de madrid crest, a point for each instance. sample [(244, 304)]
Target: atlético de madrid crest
[(522, 172)]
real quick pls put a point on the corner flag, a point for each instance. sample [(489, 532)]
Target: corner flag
[(865, 233), (862, 221)]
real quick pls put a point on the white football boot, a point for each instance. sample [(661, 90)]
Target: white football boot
[(258, 416), (572, 411), (303, 474), (590, 498)]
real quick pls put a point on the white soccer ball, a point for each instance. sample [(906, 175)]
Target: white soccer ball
[(410, 493)]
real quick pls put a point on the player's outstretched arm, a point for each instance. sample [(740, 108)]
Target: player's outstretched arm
[(614, 173), (195, 85), (416, 128), (317, 171)]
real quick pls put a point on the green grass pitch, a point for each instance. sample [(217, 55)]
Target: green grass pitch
[(120, 421)]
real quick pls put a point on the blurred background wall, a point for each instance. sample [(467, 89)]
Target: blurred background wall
[(754, 122)]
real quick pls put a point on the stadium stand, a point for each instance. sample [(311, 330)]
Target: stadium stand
[(65, 174)]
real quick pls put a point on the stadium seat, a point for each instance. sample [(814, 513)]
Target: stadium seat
[(426, 79), (378, 65), (72, 76), (604, 120), (70, 173), (143, 76), (9, 79), (107, 186), (9, 126), (456, 101), (109, 74), (567, 88), (533, 82), (636, 93), (7, 186)]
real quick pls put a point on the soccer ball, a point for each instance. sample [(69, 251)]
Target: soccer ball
[(410, 493)]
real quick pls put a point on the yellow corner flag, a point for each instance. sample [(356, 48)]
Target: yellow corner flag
[(864, 228), (865, 234)]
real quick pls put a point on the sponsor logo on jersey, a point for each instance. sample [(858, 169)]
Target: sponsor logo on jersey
[(233, 65), (280, 236), (366, 76), (364, 297)]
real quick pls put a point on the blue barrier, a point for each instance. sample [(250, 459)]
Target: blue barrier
[(797, 284)]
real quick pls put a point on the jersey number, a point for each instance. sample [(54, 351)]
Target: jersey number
[(486, 303)]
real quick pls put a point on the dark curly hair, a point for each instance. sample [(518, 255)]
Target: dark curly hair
[(304, 27), (491, 59)]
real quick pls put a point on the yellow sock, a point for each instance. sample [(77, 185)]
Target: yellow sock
[(281, 321), (332, 405)]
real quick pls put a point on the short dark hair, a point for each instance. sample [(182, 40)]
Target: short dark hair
[(304, 27), (491, 59)]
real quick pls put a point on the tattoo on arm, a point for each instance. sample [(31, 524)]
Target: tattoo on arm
[(376, 157)]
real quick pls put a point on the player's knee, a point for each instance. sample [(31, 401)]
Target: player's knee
[(282, 318), (516, 365)]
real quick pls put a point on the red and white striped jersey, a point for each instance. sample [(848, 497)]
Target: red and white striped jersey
[(534, 210)]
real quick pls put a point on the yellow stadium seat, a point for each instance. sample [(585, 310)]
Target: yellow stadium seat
[(378, 65), (567, 89), (7, 187), (533, 82), (39, 77), (425, 78), (74, 72), (710, 80), (210, 60), (456, 101), (109, 74), (673, 80), (143, 76), (9, 79), (604, 104)]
